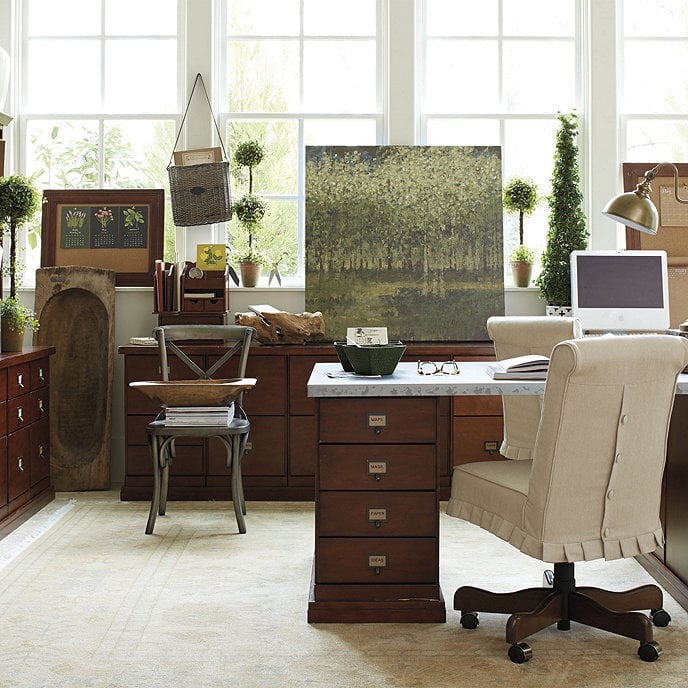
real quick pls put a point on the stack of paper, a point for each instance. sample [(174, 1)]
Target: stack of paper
[(220, 416)]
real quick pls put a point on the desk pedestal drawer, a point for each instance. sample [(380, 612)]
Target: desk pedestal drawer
[(381, 467), (377, 514), (376, 560)]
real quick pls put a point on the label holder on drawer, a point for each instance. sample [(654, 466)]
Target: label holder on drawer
[(377, 421), (377, 561), (377, 515), (377, 468)]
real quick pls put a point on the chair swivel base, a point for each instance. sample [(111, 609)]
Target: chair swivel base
[(533, 609)]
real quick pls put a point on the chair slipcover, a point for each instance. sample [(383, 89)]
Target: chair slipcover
[(593, 487)]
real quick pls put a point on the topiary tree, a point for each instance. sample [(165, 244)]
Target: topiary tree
[(520, 196), (567, 225), (19, 200)]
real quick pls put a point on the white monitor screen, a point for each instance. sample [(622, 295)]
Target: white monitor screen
[(620, 290)]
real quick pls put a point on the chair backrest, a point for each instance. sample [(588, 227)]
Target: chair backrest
[(518, 336), (236, 338), (595, 484)]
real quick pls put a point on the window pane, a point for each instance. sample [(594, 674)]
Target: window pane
[(263, 76), (52, 18), (655, 17), (339, 76), (463, 132), (462, 76), (656, 140), (65, 76), (154, 89), (277, 173), (136, 153), (263, 17), (350, 18), (655, 85), (534, 76), (461, 18), (539, 17), (63, 154), (137, 18), (339, 132)]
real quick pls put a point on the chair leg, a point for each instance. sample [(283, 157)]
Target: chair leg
[(643, 597), (166, 454), (155, 500), (468, 598), (233, 449), (523, 624)]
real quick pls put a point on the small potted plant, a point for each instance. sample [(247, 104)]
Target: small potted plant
[(249, 211), (19, 200), (520, 196)]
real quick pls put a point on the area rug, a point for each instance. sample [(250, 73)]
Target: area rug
[(90, 601)]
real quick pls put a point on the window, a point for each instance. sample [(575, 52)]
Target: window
[(99, 106), (497, 73), (654, 89), (298, 73)]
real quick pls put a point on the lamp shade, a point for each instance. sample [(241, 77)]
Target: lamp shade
[(635, 210)]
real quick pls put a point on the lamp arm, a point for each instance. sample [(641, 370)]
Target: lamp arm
[(644, 187)]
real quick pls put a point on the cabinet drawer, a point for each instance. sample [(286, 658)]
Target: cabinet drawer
[(3, 384), (18, 380), (23, 410), (40, 373), (18, 463), (381, 467), (488, 405), (477, 439), (378, 420), (377, 560), (377, 514)]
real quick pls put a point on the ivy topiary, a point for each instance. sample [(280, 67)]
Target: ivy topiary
[(567, 223)]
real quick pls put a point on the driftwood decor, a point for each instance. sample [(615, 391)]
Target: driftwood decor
[(281, 327)]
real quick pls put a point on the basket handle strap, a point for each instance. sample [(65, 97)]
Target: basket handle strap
[(212, 114)]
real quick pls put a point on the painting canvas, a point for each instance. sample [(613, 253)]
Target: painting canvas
[(405, 237)]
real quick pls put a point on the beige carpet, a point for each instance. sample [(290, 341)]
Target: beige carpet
[(87, 600)]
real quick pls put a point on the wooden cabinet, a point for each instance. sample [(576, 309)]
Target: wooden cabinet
[(281, 460), (25, 485), (377, 522)]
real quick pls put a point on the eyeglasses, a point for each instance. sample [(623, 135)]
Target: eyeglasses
[(432, 368)]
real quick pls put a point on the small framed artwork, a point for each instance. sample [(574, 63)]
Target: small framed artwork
[(197, 156), (115, 229), (211, 257)]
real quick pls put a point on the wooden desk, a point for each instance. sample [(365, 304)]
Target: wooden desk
[(377, 490)]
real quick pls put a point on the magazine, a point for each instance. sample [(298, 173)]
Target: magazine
[(526, 367)]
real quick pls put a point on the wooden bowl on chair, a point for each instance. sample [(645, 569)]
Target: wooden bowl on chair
[(194, 392)]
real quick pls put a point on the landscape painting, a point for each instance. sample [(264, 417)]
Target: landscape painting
[(405, 237)]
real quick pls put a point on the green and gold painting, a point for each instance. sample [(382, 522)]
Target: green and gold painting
[(405, 237)]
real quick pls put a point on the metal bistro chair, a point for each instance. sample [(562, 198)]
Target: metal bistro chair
[(161, 437)]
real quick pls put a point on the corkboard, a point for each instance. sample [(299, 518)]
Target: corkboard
[(672, 235), (112, 229)]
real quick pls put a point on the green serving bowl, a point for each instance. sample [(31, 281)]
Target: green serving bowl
[(339, 348), (374, 359)]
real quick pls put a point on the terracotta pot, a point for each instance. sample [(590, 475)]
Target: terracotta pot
[(250, 273), (10, 340), (521, 272)]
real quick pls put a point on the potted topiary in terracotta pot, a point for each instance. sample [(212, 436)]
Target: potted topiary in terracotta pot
[(520, 196)]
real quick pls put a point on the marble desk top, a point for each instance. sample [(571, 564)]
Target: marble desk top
[(406, 382)]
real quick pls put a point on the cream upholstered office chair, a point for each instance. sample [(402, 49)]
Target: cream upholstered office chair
[(591, 491), (161, 437), (518, 336)]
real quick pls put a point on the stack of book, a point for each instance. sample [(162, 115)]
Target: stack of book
[(526, 367), (220, 416)]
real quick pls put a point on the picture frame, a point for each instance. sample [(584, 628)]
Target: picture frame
[(197, 156), (114, 229)]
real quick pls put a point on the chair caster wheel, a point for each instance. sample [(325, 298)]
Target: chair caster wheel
[(469, 620), (660, 617), (521, 652), (649, 652)]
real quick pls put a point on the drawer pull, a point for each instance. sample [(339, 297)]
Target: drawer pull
[(20, 414), (20, 463), (377, 421), (491, 446), (40, 452), (377, 468), (41, 375), (40, 406), (20, 381), (377, 562), (377, 515)]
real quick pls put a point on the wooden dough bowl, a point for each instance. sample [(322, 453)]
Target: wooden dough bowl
[(195, 392)]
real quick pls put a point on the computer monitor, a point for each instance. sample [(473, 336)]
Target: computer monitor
[(623, 291)]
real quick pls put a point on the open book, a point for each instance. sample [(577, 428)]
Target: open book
[(531, 366)]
